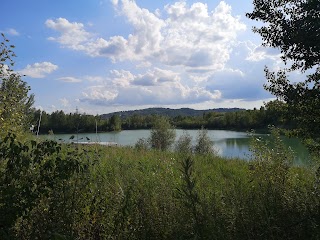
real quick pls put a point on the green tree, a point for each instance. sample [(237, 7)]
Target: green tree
[(204, 144), (293, 27), (276, 113), (15, 101), (162, 134), (115, 123)]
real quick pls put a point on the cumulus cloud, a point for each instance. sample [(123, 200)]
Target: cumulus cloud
[(244, 79), (157, 86), (156, 77), (121, 78), (133, 95), (39, 70), (189, 36), (70, 79), (182, 54), (73, 34)]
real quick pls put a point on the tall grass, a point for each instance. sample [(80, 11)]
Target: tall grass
[(96, 192)]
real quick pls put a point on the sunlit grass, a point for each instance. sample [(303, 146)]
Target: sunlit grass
[(130, 193)]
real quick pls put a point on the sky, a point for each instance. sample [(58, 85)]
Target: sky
[(102, 56)]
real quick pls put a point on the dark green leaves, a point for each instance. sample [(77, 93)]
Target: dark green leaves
[(293, 27)]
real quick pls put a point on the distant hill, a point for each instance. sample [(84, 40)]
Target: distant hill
[(169, 112)]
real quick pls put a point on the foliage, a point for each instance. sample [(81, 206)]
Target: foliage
[(204, 144), (60, 122), (302, 99), (288, 24), (270, 155), (15, 103), (115, 123), (55, 191), (274, 113), (162, 135), (142, 144), (187, 193), (293, 27), (184, 144), (35, 173), (168, 112)]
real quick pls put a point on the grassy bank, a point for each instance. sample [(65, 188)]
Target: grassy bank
[(96, 192)]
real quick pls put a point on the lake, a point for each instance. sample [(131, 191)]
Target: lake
[(230, 144)]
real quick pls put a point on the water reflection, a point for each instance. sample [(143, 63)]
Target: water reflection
[(229, 144), (233, 148)]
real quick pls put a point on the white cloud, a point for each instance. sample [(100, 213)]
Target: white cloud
[(133, 95), (100, 94), (39, 70), (157, 86), (94, 78), (156, 77), (181, 54), (12, 32), (73, 35), (70, 79), (189, 36), (115, 2), (121, 78), (260, 53)]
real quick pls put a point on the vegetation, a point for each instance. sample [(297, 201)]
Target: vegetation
[(204, 144), (162, 134), (293, 27), (281, 18), (60, 191), (15, 103), (184, 144), (53, 191), (115, 123), (273, 113), (168, 112)]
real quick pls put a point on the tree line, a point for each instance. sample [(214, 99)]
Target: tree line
[(272, 113)]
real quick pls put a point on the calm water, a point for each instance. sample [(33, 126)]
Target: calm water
[(228, 143)]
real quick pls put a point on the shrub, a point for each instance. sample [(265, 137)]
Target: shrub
[(142, 144), (184, 144), (204, 145), (38, 180), (162, 135)]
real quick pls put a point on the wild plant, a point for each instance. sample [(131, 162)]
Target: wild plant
[(40, 179), (184, 144), (270, 168), (188, 194), (142, 144), (204, 145)]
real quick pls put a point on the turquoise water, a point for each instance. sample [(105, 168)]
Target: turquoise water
[(229, 144)]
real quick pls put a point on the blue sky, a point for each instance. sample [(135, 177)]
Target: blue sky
[(102, 56)]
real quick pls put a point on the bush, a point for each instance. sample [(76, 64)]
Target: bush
[(162, 134), (204, 145), (184, 144), (38, 178), (142, 144)]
